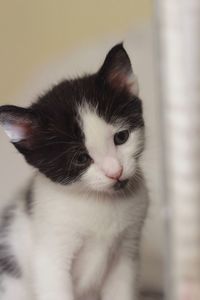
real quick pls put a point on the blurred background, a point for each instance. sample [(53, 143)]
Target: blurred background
[(34, 33), (43, 41)]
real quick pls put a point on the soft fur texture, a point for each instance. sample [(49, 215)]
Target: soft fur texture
[(74, 232)]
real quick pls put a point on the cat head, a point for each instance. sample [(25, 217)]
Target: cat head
[(88, 131)]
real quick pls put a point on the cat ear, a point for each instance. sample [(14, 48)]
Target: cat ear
[(117, 70), (19, 124)]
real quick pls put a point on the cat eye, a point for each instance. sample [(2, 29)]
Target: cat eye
[(83, 159), (121, 137)]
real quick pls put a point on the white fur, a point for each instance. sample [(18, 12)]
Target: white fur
[(81, 242)]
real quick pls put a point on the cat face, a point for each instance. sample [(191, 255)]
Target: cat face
[(112, 151), (87, 131)]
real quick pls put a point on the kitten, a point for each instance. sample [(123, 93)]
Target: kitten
[(74, 232)]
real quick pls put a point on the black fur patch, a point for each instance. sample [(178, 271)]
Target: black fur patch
[(29, 197), (7, 218), (54, 139), (8, 263)]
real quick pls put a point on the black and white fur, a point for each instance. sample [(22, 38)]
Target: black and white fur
[(74, 232)]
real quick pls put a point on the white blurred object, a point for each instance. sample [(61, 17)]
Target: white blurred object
[(139, 44), (180, 70)]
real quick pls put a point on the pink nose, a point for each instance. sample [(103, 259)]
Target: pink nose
[(112, 168), (115, 175)]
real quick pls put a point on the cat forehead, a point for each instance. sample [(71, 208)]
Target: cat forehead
[(92, 124), (96, 130)]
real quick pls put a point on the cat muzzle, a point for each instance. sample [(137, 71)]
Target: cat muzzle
[(120, 184)]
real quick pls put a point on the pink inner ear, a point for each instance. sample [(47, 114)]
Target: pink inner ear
[(120, 80), (17, 131)]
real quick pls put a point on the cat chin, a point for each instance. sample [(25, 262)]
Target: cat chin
[(112, 188), (98, 189), (109, 189)]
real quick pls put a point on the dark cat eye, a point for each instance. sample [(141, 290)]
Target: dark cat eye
[(121, 137), (83, 159)]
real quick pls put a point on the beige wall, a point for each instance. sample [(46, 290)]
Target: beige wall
[(35, 31)]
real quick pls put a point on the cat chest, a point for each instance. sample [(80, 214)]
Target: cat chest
[(92, 263)]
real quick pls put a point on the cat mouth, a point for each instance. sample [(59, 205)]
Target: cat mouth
[(120, 184)]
